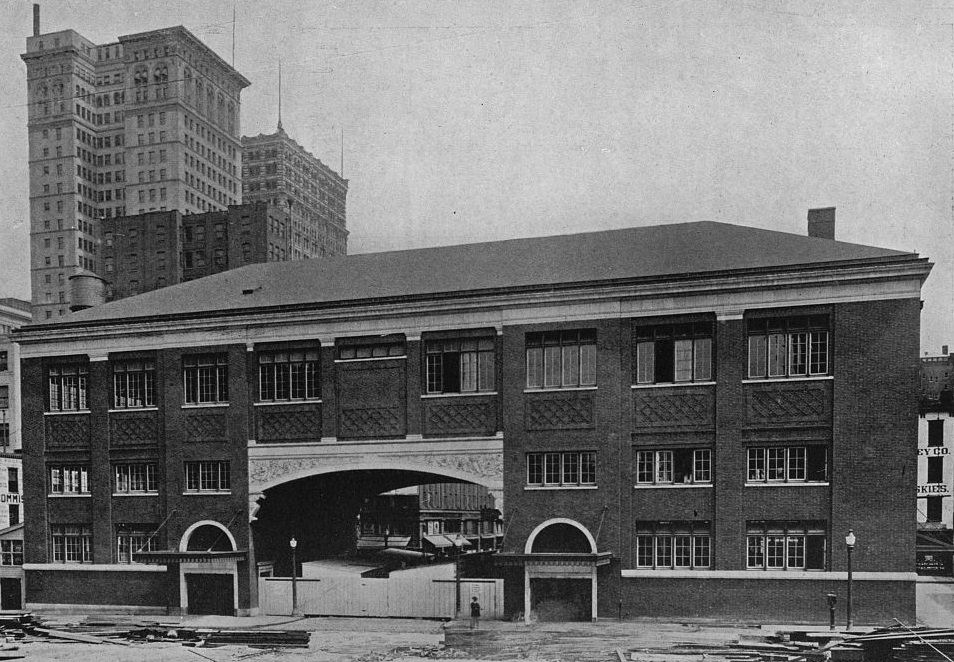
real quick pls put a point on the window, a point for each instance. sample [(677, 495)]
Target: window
[(935, 427), (674, 353), (212, 476), (206, 378), (291, 375), (677, 466), (566, 469), (788, 346), (4, 361), (68, 387), (4, 397), (11, 552), (787, 464), (460, 366), (935, 469), (137, 478), (934, 509), (785, 545), (13, 480), (14, 513), (69, 479), (371, 351), (134, 384), (70, 543), (133, 538), (561, 359), (673, 545)]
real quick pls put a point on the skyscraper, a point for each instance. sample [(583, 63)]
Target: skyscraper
[(147, 123)]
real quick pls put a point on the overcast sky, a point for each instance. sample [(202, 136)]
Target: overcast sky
[(474, 121)]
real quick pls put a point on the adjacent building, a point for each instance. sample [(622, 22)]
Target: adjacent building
[(681, 420), (277, 170), (149, 122)]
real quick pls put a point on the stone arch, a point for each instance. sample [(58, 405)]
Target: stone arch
[(528, 547), (184, 540)]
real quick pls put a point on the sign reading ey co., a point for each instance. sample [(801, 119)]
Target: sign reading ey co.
[(933, 450)]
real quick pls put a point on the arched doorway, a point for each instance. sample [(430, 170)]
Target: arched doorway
[(209, 586)]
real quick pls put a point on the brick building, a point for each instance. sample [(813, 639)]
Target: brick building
[(149, 122), (690, 418), (277, 170), (157, 249)]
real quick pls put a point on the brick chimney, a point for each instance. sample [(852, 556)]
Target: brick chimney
[(821, 223), (36, 19)]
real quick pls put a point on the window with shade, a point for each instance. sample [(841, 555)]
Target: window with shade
[(671, 545), (464, 365), (561, 359), (288, 375), (784, 347), (674, 353), (785, 545)]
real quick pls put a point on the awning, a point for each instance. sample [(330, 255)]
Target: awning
[(166, 557), (459, 541), (382, 541), (560, 559), (439, 541)]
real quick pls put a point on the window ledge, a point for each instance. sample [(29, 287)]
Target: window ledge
[(768, 380), (87, 495), (135, 494), (559, 487), (209, 493), (670, 486), (373, 358), (469, 394), (205, 405), (67, 412), (558, 389), (672, 385), (790, 484), (278, 403), (132, 409)]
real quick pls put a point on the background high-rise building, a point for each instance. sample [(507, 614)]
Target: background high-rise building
[(147, 123), (277, 170)]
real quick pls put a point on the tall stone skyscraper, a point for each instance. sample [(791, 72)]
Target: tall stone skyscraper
[(149, 122)]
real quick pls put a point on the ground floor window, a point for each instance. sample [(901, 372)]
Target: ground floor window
[(673, 545), (786, 545), (133, 538), (71, 543), (11, 552)]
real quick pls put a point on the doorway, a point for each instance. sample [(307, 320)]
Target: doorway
[(210, 594)]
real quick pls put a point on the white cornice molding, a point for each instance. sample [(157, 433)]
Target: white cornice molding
[(723, 295)]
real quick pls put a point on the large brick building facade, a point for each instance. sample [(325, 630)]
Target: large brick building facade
[(692, 418)]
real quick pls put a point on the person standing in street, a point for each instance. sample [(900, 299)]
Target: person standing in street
[(474, 612)]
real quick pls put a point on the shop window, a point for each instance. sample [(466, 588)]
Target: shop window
[(674, 353), (134, 383), (665, 545), (785, 545), (71, 543), (207, 476), (794, 464), (460, 365), (566, 469), (561, 359), (206, 378), (782, 347), (68, 387), (679, 466), (288, 375)]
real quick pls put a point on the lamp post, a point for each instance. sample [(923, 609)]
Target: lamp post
[(850, 544), (294, 544)]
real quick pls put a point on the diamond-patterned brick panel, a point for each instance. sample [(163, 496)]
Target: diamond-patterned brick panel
[(67, 430), (555, 412), (788, 403), (127, 429), (672, 408), (289, 424), (206, 427), (371, 422), (459, 418)]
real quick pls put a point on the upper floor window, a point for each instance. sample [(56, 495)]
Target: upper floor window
[(566, 469), (788, 346), (208, 476), (785, 545), (68, 387), (4, 361), (134, 384), (673, 545), (71, 543), (561, 359), (205, 378), (136, 478), (69, 479), (460, 366), (677, 466), (291, 375), (11, 552), (380, 350), (668, 353), (780, 464)]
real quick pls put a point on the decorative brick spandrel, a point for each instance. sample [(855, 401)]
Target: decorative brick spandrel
[(371, 399), (67, 431), (788, 403), (206, 426), (560, 411), (133, 428), (674, 408), (460, 416), (288, 423)]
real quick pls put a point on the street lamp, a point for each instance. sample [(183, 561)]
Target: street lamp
[(850, 544), (293, 544)]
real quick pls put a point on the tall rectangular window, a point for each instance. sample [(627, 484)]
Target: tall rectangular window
[(69, 480), (13, 480), (788, 346), (935, 469), (134, 384), (71, 543), (463, 365), (291, 375), (558, 359), (786, 545), (563, 469), (208, 476), (68, 387), (935, 432), (667, 353), (674, 467), (205, 378)]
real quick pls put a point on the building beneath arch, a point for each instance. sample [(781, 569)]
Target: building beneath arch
[(680, 420)]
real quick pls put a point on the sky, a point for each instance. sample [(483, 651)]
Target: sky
[(480, 120)]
